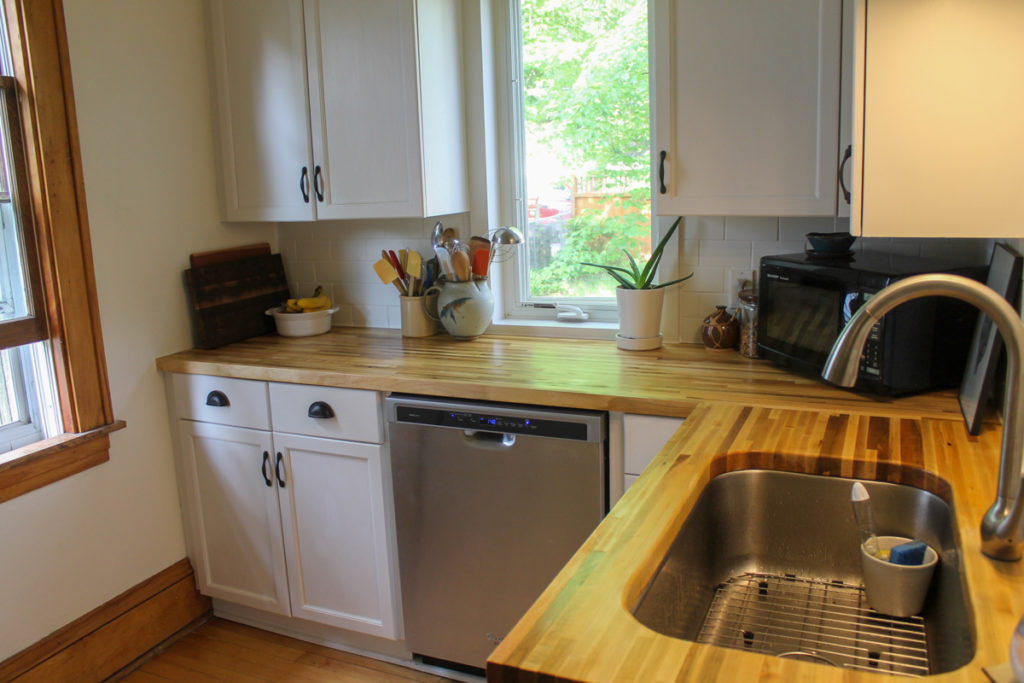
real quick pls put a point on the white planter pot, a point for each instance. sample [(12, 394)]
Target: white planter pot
[(639, 318)]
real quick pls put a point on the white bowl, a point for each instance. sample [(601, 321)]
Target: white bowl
[(301, 324)]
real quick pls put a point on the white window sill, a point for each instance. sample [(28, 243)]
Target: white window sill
[(554, 328)]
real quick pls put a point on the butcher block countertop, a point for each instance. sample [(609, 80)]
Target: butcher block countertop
[(742, 414), (587, 374), (581, 628)]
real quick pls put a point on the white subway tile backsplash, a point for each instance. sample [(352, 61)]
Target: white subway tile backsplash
[(689, 252), (703, 227), (340, 255), (751, 228), (759, 249), (724, 254), (706, 280), (793, 228)]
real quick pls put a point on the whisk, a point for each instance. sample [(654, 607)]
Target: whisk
[(503, 243)]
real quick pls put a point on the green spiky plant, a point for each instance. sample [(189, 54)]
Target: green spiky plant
[(636, 277)]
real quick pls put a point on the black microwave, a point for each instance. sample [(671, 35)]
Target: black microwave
[(805, 300)]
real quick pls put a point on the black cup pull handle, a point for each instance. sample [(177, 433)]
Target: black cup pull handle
[(279, 470), (847, 155), (320, 410), (304, 184), (217, 399), (265, 469), (318, 184), (661, 172)]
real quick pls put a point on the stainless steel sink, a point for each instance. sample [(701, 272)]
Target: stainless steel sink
[(769, 562)]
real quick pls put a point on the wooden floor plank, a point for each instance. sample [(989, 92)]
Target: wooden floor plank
[(221, 651)]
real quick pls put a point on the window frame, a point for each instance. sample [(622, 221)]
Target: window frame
[(516, 303), (56, 194)]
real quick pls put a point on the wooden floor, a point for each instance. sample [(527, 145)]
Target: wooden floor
[(222, 650)]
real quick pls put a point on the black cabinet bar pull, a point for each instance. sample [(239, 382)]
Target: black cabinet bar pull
[(661, 172), (217, 399), (320, 410), (847, 155), (318, 184), (278, 468), (265, 469), (304, 184)]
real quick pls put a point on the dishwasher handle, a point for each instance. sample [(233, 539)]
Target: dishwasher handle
[(488, 439)]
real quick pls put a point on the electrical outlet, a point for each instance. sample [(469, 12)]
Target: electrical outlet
[(739, 279)]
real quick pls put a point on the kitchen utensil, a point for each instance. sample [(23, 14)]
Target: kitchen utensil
[(437, 237), (229, 298), (387, 274), (461, 266), (444, 261), (476, 243), (396, 263), (209, 258), (481, 260), (503, 240), (865, 521), (413, 266)]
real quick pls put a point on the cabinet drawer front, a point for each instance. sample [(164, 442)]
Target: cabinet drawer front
[(350, 414), (236, 402), (644, 436)]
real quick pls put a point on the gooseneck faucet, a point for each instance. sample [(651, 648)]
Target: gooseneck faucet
[(1002, 527)]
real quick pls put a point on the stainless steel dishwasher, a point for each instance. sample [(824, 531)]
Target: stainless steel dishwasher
[(491, 501)]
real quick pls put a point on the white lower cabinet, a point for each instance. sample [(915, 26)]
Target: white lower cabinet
[(332, 514), (286, 522), (237, 545)]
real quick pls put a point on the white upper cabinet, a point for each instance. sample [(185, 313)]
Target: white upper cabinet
[(746, 107), (339, 109), (938, 105)]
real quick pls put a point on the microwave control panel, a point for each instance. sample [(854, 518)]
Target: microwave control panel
[(871, 361)]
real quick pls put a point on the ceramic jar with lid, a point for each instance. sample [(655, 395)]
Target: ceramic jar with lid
[(720, 330)]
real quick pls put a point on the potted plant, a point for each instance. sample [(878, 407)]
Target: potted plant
[(640, 300)]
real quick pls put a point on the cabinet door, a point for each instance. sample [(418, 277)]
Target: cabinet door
[(746, 106), (364, 108), (337, 538), (259, 70), (938, 105), (643, 437), (237, 536)]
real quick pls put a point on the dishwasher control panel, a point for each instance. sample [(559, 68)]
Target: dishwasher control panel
[(491, 422)]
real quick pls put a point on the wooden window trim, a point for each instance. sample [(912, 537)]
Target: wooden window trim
[(43, 70)]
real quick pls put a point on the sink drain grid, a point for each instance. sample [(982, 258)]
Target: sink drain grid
[(822, 621)]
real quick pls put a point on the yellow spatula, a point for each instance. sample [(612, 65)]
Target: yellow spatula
[(412, 270), (387, 274)]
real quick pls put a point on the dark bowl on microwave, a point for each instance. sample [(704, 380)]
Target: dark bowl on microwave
[(831, 242)]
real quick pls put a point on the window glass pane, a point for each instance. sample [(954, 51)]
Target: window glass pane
[(586, 143)]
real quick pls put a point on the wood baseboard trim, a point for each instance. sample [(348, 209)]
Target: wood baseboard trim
[(115, 634)]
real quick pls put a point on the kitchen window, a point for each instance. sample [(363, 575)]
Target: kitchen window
[(577, 150), (55, 412)]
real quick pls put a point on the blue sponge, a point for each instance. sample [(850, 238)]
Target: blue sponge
[(911, 553)]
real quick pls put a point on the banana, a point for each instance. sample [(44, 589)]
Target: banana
[(318, 302)]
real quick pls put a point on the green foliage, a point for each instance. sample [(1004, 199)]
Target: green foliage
[(586, 100), (585, 84), (637, 277), (592, 237)]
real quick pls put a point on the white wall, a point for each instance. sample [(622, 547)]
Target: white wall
[(143, 102)]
